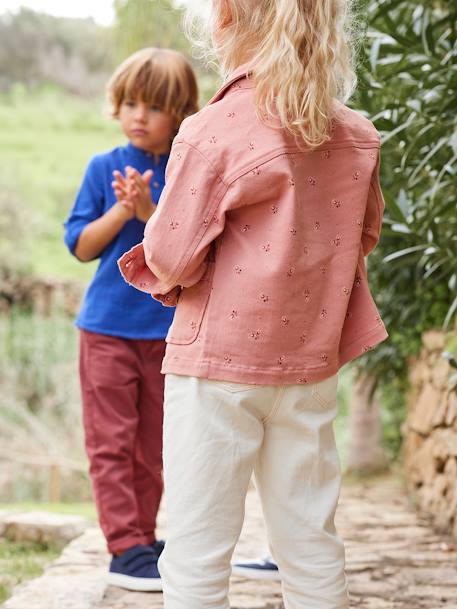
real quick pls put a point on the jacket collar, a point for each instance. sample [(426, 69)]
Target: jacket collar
[(243, 71)]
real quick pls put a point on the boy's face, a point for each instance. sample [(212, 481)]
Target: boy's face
[(146, 127)]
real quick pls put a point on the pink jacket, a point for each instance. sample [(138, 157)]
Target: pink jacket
[(262, 246)]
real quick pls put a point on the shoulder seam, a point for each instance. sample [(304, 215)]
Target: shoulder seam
[(230, 179), (293, 149), (210, 163)]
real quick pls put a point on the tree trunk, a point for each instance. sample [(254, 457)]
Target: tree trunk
[(366, 454)]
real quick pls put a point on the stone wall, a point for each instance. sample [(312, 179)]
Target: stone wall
[(430, 432), (39, 294)]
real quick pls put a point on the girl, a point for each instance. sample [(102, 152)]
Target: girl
[(271, 202), (123, 330)]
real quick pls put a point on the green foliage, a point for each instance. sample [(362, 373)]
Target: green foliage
[(36, 48), (147, 23), (407, 85), (20, 561), (40, 404), (37, 349)]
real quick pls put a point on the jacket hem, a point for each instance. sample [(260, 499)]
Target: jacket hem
[(366, 342), (218, 371)]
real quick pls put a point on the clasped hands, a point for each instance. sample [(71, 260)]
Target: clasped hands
[(133, 193)]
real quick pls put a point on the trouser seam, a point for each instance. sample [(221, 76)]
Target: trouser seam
[(275, 406)]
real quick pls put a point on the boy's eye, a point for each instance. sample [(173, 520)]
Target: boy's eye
[(155, 109), (129, 103)]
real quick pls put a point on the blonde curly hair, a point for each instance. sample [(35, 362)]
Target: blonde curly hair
[(301, 52)]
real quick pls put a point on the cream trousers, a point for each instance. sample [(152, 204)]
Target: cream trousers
[(216, 434)]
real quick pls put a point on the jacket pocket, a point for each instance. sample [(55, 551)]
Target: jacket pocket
[(324, 392), (190, 311)]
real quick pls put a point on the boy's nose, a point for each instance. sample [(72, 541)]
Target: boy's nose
[(141, 113)]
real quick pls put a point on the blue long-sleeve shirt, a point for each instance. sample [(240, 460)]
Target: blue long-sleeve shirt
[(110, 305)]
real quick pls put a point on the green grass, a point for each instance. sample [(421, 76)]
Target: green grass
[(20, 561), (46, 140), (86, 510)]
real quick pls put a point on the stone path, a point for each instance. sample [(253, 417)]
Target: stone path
[(394, 561)]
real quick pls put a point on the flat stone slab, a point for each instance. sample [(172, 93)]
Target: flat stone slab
[(37, 526), (76, 580), (394, 561)]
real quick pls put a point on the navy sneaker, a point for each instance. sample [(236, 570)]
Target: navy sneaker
[(158, 546), (263, 568), (136, 569)]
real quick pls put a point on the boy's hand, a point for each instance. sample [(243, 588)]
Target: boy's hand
[(119, 185), (139, 193)]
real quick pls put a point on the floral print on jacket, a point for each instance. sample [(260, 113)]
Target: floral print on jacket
[(261, 244)]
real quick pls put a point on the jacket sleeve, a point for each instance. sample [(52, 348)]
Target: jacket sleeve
[(372, 222), (178, 237)]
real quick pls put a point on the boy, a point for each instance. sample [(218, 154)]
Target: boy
[(122, 330)]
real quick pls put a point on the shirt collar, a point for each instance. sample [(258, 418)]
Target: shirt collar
[(243, 71), (143, 154)]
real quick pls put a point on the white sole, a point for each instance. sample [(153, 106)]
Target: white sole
[(137, 584), (250, 573)]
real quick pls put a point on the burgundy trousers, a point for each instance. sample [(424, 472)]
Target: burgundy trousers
[(122, 396)]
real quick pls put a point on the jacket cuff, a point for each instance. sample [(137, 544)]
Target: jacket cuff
[(133, 268)]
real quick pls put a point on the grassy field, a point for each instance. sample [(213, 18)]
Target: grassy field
[(46, 140)]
